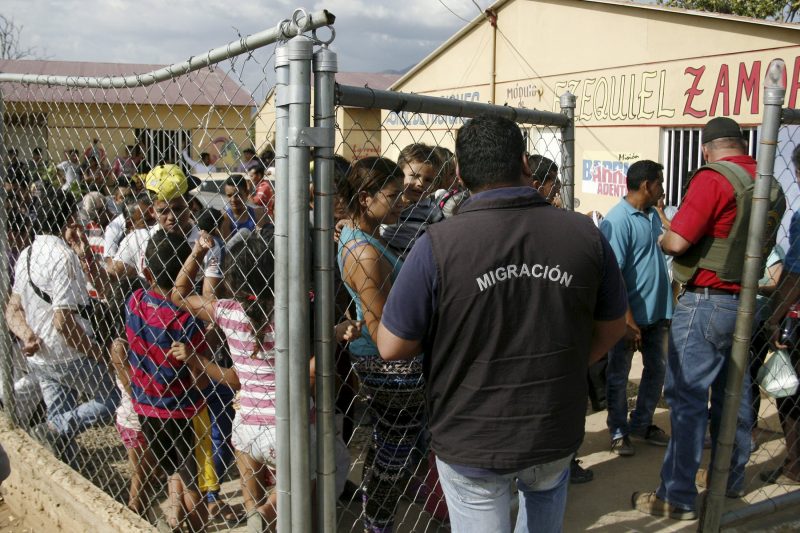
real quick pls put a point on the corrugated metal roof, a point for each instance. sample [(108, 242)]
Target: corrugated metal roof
[(373, 80), (208, 86)]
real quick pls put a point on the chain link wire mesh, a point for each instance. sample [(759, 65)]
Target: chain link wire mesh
[(395, 176), (773, 470), (140, 290), (138, 262)]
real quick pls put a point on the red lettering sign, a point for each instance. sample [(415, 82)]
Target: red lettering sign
[(750, 86), (795, 83), (722, 89), (693, 91)]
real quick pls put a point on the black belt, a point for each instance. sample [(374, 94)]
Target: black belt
[(708, 291)]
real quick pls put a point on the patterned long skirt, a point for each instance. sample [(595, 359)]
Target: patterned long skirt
[(395, 394)]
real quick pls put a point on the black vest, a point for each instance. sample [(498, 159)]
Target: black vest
[(508, 348)]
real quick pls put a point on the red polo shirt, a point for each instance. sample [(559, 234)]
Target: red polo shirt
[(709, 209), (264, 196)]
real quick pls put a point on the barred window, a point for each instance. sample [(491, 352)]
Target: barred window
[(164, 145), (682, 155)]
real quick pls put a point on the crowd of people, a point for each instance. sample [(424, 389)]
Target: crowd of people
[(472, 336)]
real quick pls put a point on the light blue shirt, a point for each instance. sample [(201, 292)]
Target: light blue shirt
[(633, 236), (792, 261), (762, 302)]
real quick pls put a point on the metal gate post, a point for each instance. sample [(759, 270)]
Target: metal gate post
[(774, 93), (299, 96), (281, 286), (325, 67), (567, 102)]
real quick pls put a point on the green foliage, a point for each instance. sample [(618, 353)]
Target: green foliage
[(781, 10)]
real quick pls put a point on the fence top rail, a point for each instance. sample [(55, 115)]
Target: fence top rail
[(790, 116), (299, 23), (347, 95)]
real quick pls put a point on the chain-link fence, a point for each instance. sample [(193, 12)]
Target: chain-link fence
[(385, 202), (134, 195), (190, 310), (152, 221), (760, 414)]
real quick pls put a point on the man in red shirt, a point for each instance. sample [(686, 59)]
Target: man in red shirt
[(706, 238), (263, 193)]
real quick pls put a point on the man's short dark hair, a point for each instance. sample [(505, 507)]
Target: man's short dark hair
[(53, 212), (236, 181), (204, 154), (540, 167), (164, 256), (641, 171), (249, 150), (256, 167), (489, 152)]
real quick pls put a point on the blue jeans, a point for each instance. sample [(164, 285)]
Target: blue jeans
[(698, 360), (481, 504), (654, 355), (220, 411), (63, 384)]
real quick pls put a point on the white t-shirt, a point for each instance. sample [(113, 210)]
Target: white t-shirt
[(126, 416), (56, 270), (132, 250), (71, 173), (113, 236)]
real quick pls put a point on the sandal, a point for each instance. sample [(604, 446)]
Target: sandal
[(224, 512)]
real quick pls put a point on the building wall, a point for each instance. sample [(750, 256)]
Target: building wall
[(71, 125), (358, 132), (634, 72), (264, 125)]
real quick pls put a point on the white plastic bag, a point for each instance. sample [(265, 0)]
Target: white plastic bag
[(777, 376)]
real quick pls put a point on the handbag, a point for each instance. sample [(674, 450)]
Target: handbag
[(777, 377)]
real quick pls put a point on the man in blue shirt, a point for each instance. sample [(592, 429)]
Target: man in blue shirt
[(633, 228)]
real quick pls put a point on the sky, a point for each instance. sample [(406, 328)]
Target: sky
[(370, 36)]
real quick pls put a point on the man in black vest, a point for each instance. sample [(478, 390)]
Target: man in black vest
[(509, 319)]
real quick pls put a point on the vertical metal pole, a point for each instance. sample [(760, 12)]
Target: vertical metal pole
[(299, 93), (281, 285), (325, 68), (6, 341), (567, 102), (774, 93)]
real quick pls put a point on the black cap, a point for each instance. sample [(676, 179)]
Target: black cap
[(720, 128)]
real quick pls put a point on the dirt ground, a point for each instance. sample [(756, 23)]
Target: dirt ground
[(603, 504), (11, 521)]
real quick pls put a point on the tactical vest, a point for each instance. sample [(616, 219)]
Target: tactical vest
[(725, 255), (507, 353)]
